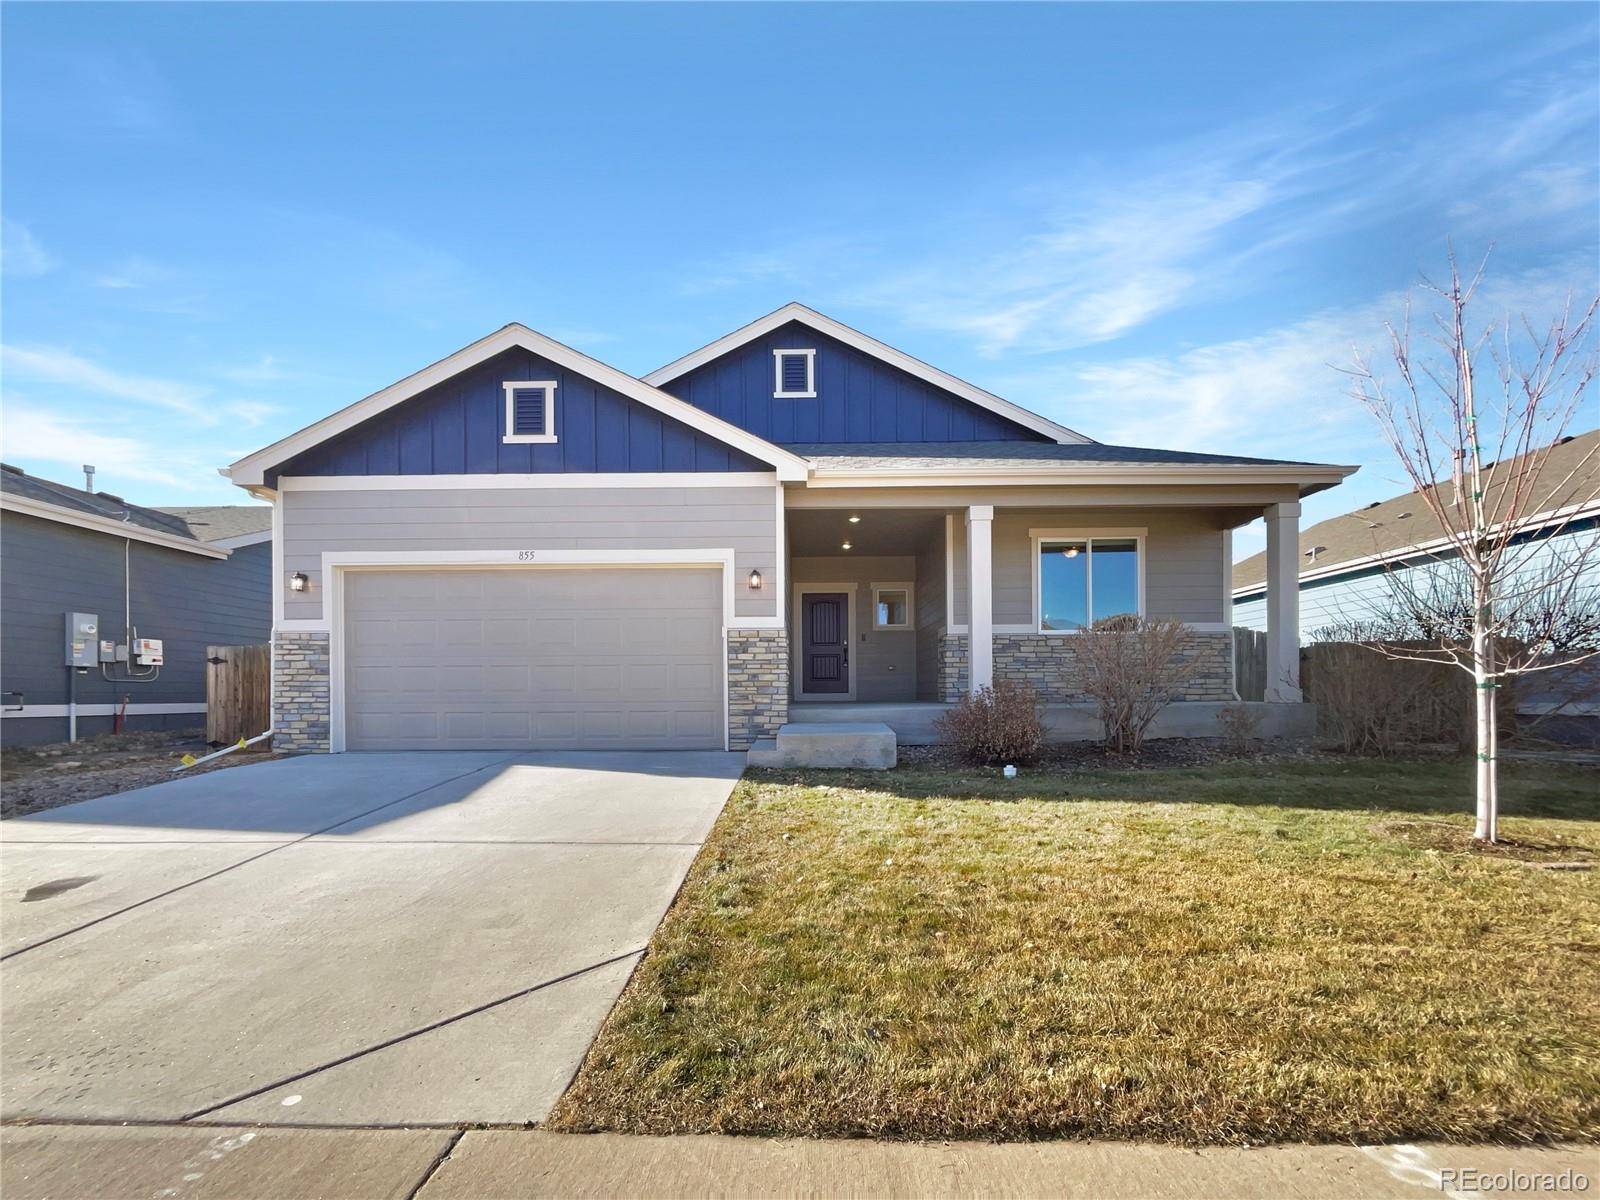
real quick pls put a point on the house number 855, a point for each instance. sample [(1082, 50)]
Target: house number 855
[(525, 555)]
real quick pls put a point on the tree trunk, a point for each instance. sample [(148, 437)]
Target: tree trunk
[(1487, 827)]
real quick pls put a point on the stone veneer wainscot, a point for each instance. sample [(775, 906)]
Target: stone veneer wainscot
[(1052, 664), (758, 685), (301, 717)]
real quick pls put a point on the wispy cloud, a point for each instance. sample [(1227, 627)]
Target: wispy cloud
[(265, 369), (54, 365), (21, 255), (1276, 394), (32, 434)]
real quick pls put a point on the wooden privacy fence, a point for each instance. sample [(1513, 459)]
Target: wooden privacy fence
[(238, 693), (1250, 662)]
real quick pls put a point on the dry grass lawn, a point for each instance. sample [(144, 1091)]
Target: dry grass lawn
[(1261, 952)]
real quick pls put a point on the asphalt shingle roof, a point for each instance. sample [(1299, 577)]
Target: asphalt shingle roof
[(911, 456), (1571, 474), (16, 482), (212, 523)]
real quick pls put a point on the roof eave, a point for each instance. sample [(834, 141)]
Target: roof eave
[(1305, 479), (98, 524)]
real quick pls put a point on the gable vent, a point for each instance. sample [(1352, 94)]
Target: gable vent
[(530, 410), (796, 373)]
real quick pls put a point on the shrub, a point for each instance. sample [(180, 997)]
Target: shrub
[(1239, 726), (1133, 668), (1000, 724)]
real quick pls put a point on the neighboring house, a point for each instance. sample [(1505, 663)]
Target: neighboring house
[(1345, 564), (144, 572), (520, 546)]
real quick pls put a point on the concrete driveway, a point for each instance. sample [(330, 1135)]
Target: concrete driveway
[(375, 939)]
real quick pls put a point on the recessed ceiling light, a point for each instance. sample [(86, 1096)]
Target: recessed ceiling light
[(846, 546), (854, 520)]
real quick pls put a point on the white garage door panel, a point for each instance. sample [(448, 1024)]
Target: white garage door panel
[(540, 659)]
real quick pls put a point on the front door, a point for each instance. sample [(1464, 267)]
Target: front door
[(825, 643)]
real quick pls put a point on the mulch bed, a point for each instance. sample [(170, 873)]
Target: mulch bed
[(36, 778)]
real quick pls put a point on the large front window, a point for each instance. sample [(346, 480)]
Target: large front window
[(1084, 582)]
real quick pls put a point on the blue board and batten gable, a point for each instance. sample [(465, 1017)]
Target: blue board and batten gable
[(457, 428), (859, 398)]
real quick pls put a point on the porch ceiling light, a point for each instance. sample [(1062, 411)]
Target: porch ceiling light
[(755, 581), (1070, 552), (299, 581), (854, 519), (846, 546)]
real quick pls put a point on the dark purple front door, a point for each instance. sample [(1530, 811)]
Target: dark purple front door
[(825, 643)]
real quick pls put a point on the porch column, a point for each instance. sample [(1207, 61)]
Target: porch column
[(980, 597), (1283, 602)]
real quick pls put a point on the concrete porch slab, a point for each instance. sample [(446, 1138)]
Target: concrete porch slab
[(914, 723)]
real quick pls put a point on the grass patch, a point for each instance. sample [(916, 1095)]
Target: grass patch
[(1212, 955)]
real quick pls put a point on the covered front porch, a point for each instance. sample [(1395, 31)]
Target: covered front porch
[(898, 603)]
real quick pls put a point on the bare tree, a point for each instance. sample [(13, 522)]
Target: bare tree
[(1475, 421)]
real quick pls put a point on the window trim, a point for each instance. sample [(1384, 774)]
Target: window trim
[(911, 605), (1040, 538), (778, 356), (511, 387)]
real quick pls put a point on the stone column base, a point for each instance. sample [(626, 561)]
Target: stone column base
[(301, 717), (758, 685)]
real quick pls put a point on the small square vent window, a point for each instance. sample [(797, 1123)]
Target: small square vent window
[(530, 411), (795, 374)]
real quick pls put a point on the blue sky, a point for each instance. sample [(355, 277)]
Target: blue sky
[(1155, 224)]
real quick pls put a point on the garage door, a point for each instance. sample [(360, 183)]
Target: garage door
[(543, 659)]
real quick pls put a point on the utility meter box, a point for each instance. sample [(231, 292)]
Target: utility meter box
[(83, 640), (147, 652)]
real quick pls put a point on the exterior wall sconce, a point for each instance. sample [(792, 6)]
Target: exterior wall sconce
[(755, 581), (299, 581)]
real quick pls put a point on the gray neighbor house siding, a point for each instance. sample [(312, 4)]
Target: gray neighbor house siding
[(48, 568)]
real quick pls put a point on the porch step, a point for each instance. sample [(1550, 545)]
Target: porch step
[(863, 744)]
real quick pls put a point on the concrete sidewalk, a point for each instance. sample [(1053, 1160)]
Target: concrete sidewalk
[(278, 1163)]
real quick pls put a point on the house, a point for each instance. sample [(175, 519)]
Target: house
[(137, 573), (523, 547), (1346, 563)]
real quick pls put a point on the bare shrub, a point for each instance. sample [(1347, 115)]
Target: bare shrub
[(1372, 701), (1239, 726), (1133, 668), (999, 724)]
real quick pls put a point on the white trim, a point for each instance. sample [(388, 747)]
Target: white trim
[(1426, 549), (980, 597), (512, 386), (143, 709), (240, 540), (1038, 538), (910, 589), (810, 392), (1048, 475), (615, 479), (98, 524), (336, 563), (867, 345), (279, 582), (251, 469), (797, 640)]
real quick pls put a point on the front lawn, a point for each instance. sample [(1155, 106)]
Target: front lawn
[(1302, 950)]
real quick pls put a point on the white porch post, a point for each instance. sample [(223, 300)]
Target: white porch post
[(1283, 602), (980, 597)]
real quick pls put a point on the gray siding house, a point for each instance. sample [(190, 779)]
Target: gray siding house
[(65, 550), (520, 546)]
